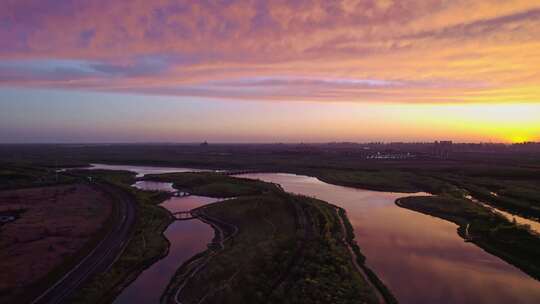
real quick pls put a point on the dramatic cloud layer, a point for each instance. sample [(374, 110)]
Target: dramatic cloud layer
[(407, 51)]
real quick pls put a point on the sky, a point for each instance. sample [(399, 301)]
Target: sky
[(269, 71)]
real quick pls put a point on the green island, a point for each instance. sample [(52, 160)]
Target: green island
[(272, 246), (212, 184), (511, 188)]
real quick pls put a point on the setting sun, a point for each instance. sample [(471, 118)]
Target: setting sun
[(519, 139)]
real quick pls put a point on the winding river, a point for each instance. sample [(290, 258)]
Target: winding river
[(186, 238), (420, 258)]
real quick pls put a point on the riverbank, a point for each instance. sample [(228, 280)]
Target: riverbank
[(479, 225), (384, 294)]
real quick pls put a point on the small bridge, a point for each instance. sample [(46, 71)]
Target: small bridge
[(183, 215), (181, 194)]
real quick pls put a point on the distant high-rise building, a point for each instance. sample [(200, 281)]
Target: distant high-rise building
[(442, 149)]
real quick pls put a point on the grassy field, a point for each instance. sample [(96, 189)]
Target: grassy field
[(213, 184), (17, 176), (274, 258), (60, 222), (493, 233)]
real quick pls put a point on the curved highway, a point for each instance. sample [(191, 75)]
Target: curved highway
[(103, 255)]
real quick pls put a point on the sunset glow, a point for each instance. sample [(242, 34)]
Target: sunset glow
[(297, 70), (270, 151)]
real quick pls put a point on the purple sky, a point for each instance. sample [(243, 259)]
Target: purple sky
[(290, 70)]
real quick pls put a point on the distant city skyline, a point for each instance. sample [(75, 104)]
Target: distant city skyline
[(269, 71)]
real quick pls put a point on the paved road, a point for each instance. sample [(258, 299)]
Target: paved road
[(103, 255)]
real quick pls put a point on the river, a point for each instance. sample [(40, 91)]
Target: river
[(420, 258)]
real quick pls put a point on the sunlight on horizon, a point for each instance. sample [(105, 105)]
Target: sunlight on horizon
[(510, 123), (270, 71)]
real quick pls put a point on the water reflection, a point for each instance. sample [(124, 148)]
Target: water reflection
[(176, 204), (421, 258), (143, 170), (186, 238)]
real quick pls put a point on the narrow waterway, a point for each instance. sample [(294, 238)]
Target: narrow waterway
[(533, 225), (421, 258), (186, 238)]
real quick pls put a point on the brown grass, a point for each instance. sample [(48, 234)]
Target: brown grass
[(56, 223)]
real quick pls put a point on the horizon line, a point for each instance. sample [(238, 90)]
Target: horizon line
[(267, 143)]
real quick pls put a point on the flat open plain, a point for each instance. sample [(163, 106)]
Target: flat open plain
[(54, 223)]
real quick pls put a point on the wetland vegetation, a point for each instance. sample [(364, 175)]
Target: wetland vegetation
[(287, 247)]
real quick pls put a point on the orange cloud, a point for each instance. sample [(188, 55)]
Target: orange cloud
[(417, 51)]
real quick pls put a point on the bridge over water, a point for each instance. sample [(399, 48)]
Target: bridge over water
[(184, 215), (239, 172), (181, 193)]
